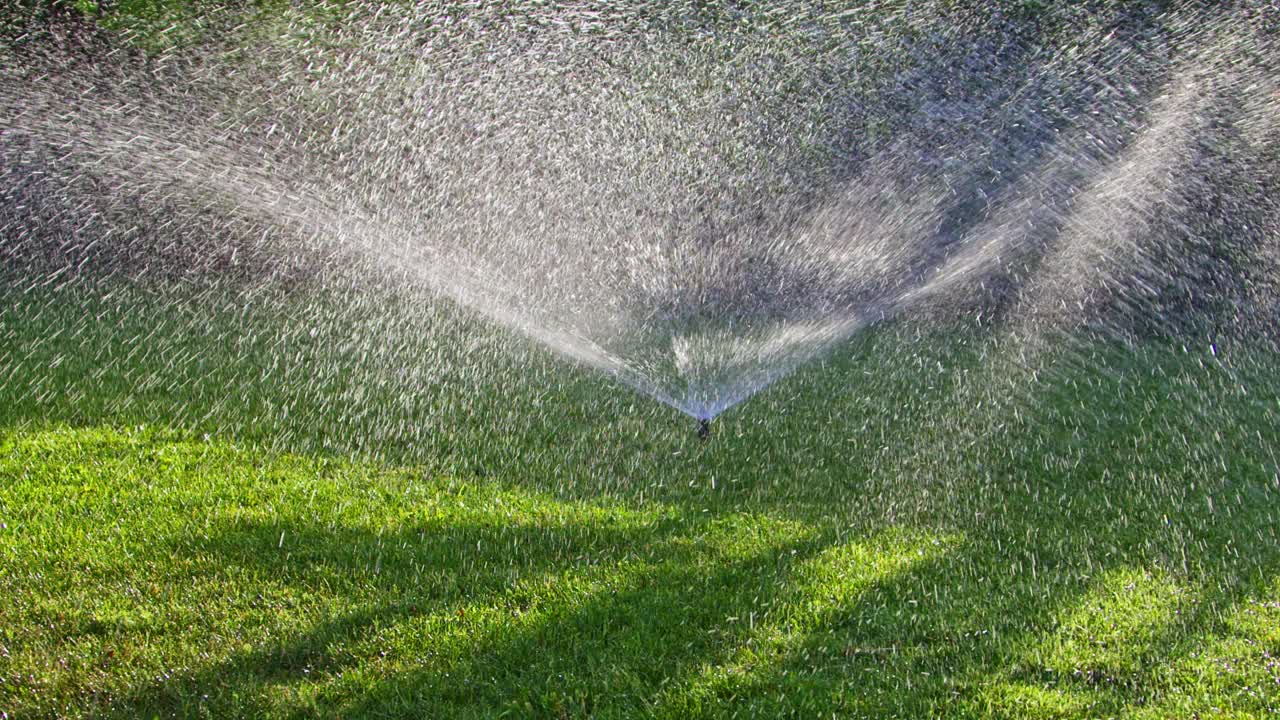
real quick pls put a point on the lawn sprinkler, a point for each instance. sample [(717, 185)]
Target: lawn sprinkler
[(704, 429)]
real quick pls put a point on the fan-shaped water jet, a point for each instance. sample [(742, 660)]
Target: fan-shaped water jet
[(696, 201)]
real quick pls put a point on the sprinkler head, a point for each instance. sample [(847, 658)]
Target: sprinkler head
[(704, 429)]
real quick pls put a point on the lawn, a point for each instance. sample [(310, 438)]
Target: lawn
[(335, 507)]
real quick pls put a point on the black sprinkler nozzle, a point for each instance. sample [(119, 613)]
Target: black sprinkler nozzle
[(704, 429)]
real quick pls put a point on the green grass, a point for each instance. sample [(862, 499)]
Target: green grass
[(287, 508)]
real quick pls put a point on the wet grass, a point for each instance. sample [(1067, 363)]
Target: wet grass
[(290, 508)]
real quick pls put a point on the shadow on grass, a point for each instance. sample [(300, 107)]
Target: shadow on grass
[(684, 619), (504, 629), (689, 632)]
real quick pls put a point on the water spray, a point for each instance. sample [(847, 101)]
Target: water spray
[(1076, 157)]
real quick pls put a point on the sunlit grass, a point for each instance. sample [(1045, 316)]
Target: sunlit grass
[(300, 509)]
